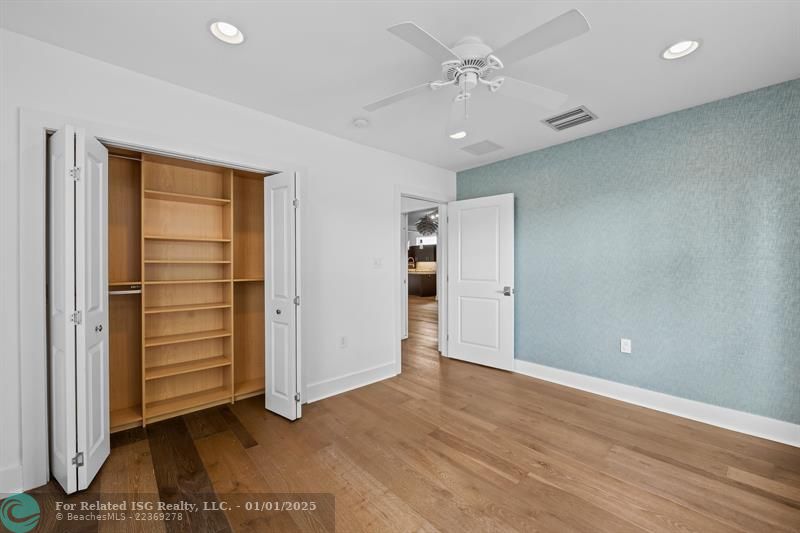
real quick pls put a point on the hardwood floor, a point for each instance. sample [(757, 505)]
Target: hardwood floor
[(449, 446)]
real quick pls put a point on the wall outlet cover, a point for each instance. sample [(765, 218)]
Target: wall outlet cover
[(625, 345)]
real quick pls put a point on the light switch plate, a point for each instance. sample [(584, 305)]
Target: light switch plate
[(625, 345)]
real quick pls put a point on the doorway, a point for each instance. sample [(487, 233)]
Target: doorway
[(421, 258)]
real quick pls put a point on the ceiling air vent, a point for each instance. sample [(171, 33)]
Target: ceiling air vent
[(482, 148), (570, 118)]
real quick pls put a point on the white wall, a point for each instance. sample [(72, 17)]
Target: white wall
[(350, 190)]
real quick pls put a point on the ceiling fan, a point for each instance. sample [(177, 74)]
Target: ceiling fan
[(472, 63)]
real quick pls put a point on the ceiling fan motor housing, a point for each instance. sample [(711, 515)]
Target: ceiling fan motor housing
[(474, 63)]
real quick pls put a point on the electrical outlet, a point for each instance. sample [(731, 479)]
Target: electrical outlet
[(625, 346), (342, 342)]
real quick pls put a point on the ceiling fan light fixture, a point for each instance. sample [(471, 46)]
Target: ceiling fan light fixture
[(680, 49), (226, 32), (458, 135)]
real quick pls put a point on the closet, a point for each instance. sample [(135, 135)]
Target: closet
[(186, 286)]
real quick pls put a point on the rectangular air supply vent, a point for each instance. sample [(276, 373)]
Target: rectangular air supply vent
[(568, 119), (482, 148)]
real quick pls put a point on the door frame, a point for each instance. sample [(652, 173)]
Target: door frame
[(400, 263), (34, 127)]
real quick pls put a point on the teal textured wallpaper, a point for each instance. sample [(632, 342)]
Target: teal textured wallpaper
[(681, 233)]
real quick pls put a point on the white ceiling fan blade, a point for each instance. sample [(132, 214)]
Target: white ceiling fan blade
[(402, 95), (534, 94), (419, 38), (560, 29)]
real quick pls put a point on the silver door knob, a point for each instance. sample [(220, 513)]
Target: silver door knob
[(507, 291)]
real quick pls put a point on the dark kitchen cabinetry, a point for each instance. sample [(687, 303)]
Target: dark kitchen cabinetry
[(422, 284), (424, 253)]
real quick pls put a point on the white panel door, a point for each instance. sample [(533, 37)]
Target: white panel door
[(91, 290), (61, 307), (280, 291), (481, 280)]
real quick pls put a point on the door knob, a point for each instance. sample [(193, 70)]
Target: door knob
[(98, 328), (507, 291), (277, 311)]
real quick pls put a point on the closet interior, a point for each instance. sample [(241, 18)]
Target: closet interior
[(186, 286)]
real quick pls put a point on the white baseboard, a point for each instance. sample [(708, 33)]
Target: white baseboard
[(11, 480), (354, 380), (756, 425)]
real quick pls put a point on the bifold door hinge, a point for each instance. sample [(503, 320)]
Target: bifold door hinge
[(75, 173), (75, 317), (296, 203), (296, 300), (297, 397), (78, 459)]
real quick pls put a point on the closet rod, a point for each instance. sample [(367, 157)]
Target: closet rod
[(116, 293), (124, 157)]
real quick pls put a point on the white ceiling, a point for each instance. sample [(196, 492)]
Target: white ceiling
[(318, 63)]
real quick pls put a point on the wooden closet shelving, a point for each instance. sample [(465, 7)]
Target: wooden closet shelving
[(186, 403), (185, 262), (185, 307), (180, 338), (189, 198), (184, 281), (183, 238), (165, 371), (191, 236)]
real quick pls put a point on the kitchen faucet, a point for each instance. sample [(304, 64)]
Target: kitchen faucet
[(412, 263)]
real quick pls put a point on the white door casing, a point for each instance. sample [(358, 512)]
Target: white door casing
[(61, 306), (280, 288), (481, 280), (404, 276), (91, 281), (441, 279)]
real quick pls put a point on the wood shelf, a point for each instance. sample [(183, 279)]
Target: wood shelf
[(186, 367), (188, 402), (186, 239), (123, 283), (180, 227), (185, 281), (164, 340), (125, 418), (246, 389), (185, 262), (183, 308), (152, 194)]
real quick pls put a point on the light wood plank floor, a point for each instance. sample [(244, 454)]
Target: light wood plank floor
[(450, 446)]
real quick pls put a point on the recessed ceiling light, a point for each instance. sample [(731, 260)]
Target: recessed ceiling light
[(360, 122), (226, 32), (458, 135), (680, 49)]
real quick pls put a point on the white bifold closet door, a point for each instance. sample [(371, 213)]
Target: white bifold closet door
[(78, 307), (281, 300), (481, 280)]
